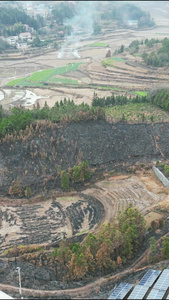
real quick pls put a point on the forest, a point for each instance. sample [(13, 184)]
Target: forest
[(10, 16), (65, 111), (158, 58), (124, 11), (99, 253), (18, 118)]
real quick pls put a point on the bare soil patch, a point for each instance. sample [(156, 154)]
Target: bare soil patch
[(151, 216)]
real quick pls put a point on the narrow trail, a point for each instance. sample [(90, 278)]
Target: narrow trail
[(85, 291), (82, 292)]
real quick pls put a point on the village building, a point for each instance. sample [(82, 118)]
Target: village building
[(25, 36), (12, 39), (132, 23)]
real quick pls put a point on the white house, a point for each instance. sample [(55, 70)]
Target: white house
[(25, 36), (21, 45), (132, 23), (12, 39)]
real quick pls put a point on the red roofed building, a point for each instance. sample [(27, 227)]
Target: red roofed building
[(25, 36)]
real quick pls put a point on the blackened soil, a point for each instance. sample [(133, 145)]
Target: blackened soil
[(35, 161)]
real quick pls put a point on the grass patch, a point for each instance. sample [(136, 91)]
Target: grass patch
[(107, 183), (137, 112), (63, 80), (140, 93), (46, 75), (98, 45), (69, 199), (119, 59), (82, 232), (38, 78), (15, 82), (110, 62), (106, 88)]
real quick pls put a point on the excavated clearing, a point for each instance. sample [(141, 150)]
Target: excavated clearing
[(52, 220)]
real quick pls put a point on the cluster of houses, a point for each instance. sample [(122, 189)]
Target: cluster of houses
[(20, 41)]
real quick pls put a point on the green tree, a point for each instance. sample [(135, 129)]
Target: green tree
[(165, 248), (153, 249), (132, 225), (64, 180), (28, 192), (36, 41)]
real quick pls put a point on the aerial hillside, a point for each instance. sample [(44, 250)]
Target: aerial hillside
[(35, 161)]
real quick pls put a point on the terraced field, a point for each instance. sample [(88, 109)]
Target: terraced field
[(79, 77), (52, 220), (49, 221), (117, 193)]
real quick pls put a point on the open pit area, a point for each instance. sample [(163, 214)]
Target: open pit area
[(49, 221)]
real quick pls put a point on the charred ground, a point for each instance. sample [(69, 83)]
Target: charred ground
[(34, 161)]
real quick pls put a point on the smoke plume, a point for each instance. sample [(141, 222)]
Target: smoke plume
[(82, 24)]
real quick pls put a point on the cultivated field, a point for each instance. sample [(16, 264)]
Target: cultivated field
[(52, 78)]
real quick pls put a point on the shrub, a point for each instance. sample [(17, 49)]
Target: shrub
[(64, 180), (28, 192), (81, 172), (16, 189)]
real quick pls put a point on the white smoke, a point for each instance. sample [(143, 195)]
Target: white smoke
[(82, 24)]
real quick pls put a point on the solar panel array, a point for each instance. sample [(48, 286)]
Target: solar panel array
[(156, 294), (138, 292), (121, 291), (149, 278), (163, 281)]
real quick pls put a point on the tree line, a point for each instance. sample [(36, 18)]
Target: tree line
[(19, 118), (103, 252), (160, 98), (159, 58), (66, 111), (10, 16), (119, 12), (98, 254), (116, 100)]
